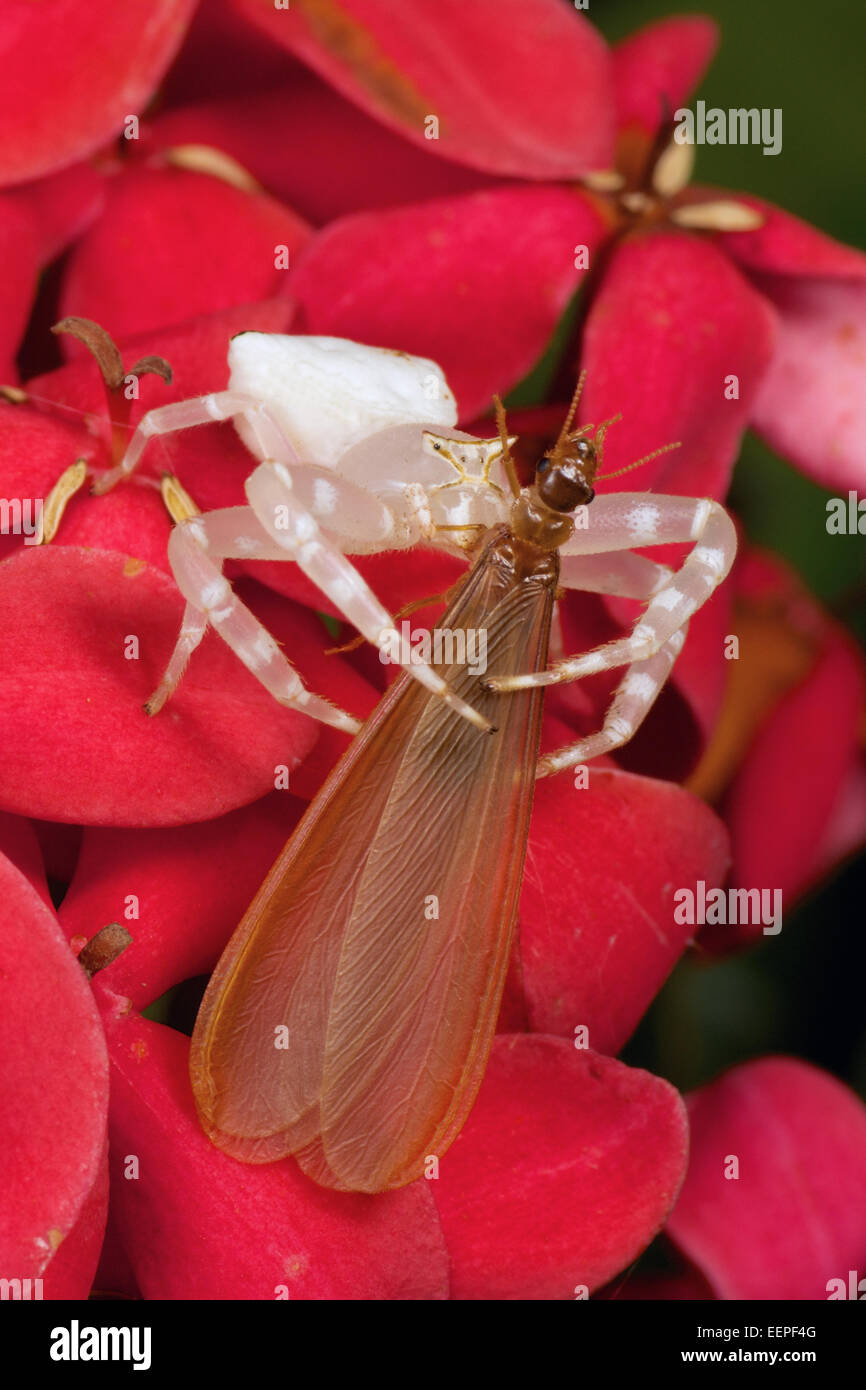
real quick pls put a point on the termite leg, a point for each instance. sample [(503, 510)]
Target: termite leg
[(623, 520), (272, 495), (195, 549), (182, 415), (633, 699)]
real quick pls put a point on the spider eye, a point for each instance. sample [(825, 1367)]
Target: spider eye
[(436, 446)]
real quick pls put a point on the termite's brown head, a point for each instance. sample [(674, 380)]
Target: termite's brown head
[(564, 477), (564, 480)]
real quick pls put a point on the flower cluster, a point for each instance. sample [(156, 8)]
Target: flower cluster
[(475, 192)]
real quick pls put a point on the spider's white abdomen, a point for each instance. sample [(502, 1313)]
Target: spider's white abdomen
[(327, 394)]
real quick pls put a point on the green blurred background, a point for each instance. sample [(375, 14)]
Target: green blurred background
[(801, 992)]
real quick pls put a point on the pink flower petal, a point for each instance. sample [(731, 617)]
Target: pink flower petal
[(74, 73), (53, 1117), (484, 318), (597, 931), (564, 1172), (199, 245), (811, 406), (795, 1216), (656, 69), (474, 67), (196, 1224), (672, 321)]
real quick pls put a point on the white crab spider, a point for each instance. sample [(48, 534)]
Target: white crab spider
[(357, 454)]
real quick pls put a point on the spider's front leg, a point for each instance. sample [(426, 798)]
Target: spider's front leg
[(616, 523), (183, 415), (196, 548)]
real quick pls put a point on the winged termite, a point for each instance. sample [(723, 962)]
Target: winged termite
[(381, 937), (350, 1018)]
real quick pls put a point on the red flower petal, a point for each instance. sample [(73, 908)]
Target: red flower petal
[(74, 72), (19, 844), (34, 451), (785, 244), (485, 318), (60, 845), (563, 1173), (196, 1224), (476, 69), (347, 161), (62, 205), (129, 521), (224, 53), (70, 1274), (198, 244), (845, 830), (53, 1118), (671, 322), (192, 884), (811, 405), (597, 930), (781, 801), (78, 746), (114, 1274), (18, 281), (35, 448), (656, 69), (795, 1217)]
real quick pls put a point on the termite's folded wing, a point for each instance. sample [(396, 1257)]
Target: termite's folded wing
[(424, 955)]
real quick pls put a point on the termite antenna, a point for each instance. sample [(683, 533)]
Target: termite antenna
[(572, 410), (665, 449), (507, 459), (599, 437)]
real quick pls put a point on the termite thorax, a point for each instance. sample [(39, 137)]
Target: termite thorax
[(536, 523)]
